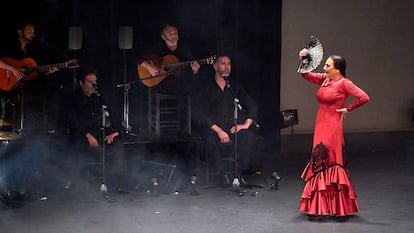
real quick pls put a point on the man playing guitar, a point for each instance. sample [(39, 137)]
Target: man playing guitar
[(12, 74), (25, 36), (169, 34), (179, 84), (182, 83)]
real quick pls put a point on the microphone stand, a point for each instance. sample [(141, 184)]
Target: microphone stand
[(125, 122), (105, 114), (74, 80), (104, 188), (236, 180), (21, 113), (74, 75), (126, 86)]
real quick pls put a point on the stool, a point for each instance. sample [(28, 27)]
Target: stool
[(162, 114)]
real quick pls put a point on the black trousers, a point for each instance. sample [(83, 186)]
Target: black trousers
[(248, 151), (115, 169)]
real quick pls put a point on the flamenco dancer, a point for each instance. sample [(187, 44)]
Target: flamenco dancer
[(328, 190)]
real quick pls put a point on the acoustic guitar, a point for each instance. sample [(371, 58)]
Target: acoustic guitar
[(8, 81), (169, 65)]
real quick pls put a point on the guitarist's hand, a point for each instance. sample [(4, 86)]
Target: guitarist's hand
[(153, 70), (195, 66), (52, 69), (17, 72)]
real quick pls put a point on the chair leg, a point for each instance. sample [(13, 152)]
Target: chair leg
[(149, 120), (189, 126)]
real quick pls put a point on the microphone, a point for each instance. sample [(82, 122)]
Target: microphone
[(106, 121), (105, 110), (226, 78), (255, 124), (95, 86)]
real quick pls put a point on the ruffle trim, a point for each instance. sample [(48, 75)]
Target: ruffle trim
[(329, 192)]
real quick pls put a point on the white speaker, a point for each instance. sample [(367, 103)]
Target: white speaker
[(75, 38), (125, 37)]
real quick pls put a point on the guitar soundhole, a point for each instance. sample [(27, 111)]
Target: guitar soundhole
[(29, 71)]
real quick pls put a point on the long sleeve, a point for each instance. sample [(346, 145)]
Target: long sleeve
[(248, 104), (360, 95), (80, 115), (203, 106), (85, 116), (316, 78), (217, 106)]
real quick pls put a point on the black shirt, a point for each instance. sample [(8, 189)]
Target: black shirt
[(217, 106), (181, 56), (182, 53), (86, 116), (41, 53)]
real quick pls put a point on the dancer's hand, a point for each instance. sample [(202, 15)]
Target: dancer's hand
[(343, 112)]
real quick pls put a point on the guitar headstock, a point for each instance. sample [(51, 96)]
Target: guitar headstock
[(73, 63), (210, 60)]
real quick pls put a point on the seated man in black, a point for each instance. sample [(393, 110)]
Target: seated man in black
[(90, 126), (217, 119)]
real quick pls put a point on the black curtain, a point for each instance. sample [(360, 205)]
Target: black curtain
[(248, 30)]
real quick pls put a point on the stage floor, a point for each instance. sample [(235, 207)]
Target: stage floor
[(381, 171)]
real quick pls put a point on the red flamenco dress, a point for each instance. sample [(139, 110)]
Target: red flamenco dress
[(328, 190)]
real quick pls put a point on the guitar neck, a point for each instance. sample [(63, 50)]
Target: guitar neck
[(45, 68), (184, 64)]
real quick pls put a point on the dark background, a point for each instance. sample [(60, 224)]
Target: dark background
[(249, 31)]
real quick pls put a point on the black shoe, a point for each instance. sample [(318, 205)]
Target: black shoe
[(314, 218), (51, 131), (342, 218), (274, 186), (10, 200)]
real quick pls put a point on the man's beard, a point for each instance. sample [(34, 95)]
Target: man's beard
[(29, 40), (225, 73)]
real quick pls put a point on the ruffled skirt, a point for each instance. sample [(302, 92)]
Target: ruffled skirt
[(328, 192)]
